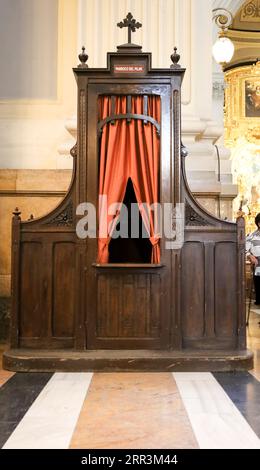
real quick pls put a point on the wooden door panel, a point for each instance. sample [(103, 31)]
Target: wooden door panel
[(209, 294), (225, 289), (31, 311), (63, 289), (193, 282), (126, 306)]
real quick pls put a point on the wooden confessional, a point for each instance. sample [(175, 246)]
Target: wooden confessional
[(70, 312)]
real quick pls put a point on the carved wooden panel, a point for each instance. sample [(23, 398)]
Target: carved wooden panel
[(64, 218), (193, 218), (225, 288), (31, 311), (63, 289), (193, 281), (128, 306)]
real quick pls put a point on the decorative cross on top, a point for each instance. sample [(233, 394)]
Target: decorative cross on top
[(130, 23)]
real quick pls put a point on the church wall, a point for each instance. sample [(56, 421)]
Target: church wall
[(34, 171), (32, 115)]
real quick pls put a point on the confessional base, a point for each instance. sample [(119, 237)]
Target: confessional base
[(28, 360)]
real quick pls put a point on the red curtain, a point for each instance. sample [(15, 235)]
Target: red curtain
[(128, 150)]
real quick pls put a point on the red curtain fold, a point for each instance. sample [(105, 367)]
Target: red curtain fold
[(128, 150)]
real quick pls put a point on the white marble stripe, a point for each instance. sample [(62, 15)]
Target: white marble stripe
[(256, 374), (215, 420), (50, 421)]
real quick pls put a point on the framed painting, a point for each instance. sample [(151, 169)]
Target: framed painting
[(252, 98), (242, 104)]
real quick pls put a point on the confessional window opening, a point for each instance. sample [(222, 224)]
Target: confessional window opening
[(129, 173)]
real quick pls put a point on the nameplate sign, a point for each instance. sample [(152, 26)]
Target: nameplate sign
[(129, 68)]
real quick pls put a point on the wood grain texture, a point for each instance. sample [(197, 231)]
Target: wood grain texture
[(128, 306), (63, 290)]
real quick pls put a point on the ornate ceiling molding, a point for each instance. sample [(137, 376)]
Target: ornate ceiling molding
[(250, 12)]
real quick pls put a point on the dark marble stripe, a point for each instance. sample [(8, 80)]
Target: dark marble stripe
[(244, 391), (16, 397)]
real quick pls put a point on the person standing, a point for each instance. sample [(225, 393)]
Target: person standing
[(253, 255)]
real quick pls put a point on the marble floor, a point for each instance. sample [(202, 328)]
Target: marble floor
[(188, 410)]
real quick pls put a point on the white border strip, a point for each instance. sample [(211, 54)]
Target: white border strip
[(50, 421), (215, 420)]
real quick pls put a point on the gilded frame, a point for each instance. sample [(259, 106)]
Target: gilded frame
[(252, 98), (237, 123)]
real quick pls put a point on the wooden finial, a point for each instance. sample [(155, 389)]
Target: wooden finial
[(16, 213), (175, 57), (240, 212), (83, 57), (130, 23)]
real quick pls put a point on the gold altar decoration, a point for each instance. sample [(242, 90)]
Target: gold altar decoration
[(242, 136)]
